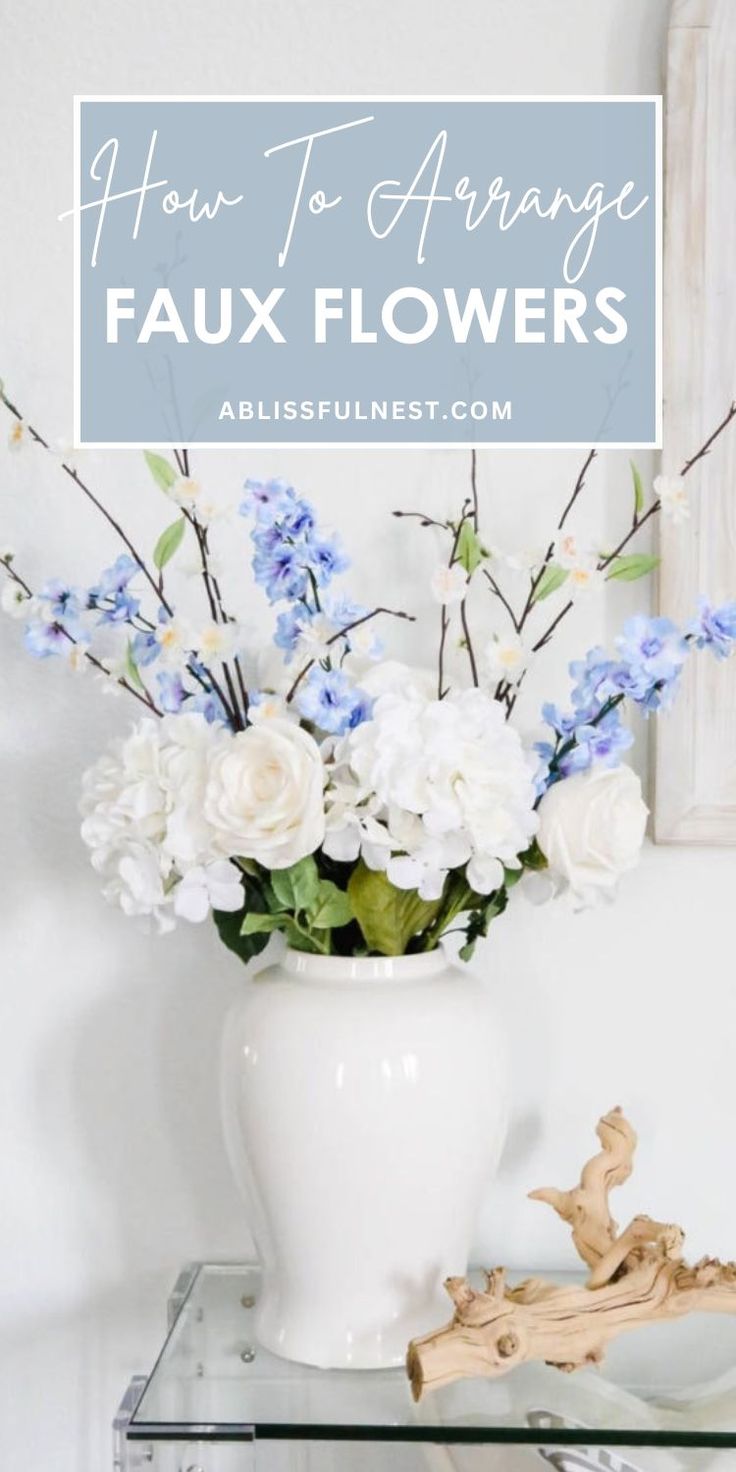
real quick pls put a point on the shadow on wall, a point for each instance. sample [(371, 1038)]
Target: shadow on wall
[(133, 1087)]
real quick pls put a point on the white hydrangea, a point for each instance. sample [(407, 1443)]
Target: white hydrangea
[(142, 819), (429, 785), (165, 810)]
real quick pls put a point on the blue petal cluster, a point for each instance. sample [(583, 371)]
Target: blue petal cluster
[(110, 593), (295, 562), (331, 701), (714, 628), (291, 555), (646, 669)]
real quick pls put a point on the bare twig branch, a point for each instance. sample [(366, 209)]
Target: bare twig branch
[(84, 488), (340, 633)]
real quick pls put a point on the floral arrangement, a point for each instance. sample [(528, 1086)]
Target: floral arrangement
[(356, 805)]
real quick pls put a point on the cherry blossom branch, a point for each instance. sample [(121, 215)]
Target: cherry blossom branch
[(638, 522), (464, 603), (536, 580), (502, 598), (238, 717), (444, 615), (143, 696), (346, 629), (85, 489)]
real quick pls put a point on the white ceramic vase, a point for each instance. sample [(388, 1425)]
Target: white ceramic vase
[(364, 1105)]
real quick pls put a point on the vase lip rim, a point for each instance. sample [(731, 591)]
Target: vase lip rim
[(307, 966)]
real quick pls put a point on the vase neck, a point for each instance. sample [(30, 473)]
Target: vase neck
[(341, 969)]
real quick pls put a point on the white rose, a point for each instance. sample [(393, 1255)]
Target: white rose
[(264, 795), (591, 828)]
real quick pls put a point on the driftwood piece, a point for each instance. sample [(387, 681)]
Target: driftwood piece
[(635, 1277)]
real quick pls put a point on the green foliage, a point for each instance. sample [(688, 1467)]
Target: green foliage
[(480, 919), (230, 924), (628, 569), (533, 858), (162, 471), (552, 578), (168, 543), (296, 888), (638, 490), (131, 669), (468, 551), (298, 902), (330, 909), (388, 917)]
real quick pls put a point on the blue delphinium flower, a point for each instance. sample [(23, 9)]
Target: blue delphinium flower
[(291, 555), (120, 608), (171, 691), (715, 628), (331, 701), (281, 571), (145, 648), (601, 743), (209, 705), (298, 521), (62, 601), (268, 500), (290, 626), (110, 593), (45, 637), (115, 579), (652, 652), (326, 558)]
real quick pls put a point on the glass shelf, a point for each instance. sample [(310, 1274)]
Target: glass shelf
[(667, 1386)]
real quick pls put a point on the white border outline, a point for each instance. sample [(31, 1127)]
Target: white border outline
[(655, 444)]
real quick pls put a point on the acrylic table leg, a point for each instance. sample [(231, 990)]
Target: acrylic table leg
[(129, 1456)]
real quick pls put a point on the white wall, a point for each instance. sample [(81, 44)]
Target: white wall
[(112, 1169)]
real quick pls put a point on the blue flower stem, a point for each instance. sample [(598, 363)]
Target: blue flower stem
[(572, 742), (340, 634)]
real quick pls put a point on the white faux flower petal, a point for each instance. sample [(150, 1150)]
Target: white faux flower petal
[(14, 601), (191, 897), (583, 580), (484, 874), (342, 843), (405, 872), (224, 881), (505, 657), (264, 795), (672, 493), (449, 584), (591, 829)]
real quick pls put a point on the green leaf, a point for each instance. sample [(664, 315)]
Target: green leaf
[(162, 471), (296, 888), (533, 858), (131, 669), (468, 551), (264, 925), (169, 542), (254, 924), (480, 920), (638, 489), (228, 928), (330, 909), (628, 569), (229, 924), (552, 578), (388, 917)]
